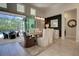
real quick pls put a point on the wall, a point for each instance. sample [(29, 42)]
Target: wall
[(60, 10), (70, 32), (39, 12), (13, 8), (40, 24)]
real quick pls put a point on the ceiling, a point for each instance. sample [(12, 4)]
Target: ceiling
[(46, 5)]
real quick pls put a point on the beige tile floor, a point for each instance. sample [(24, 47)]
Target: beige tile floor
[(58, 48), (34, 50)]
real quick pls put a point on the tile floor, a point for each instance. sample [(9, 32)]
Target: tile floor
[(58, 48), (35, 50)]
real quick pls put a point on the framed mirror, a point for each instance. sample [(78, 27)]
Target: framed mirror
[(54, 23), (72, 23)]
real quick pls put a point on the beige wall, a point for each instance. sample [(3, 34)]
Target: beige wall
[(40, 24), (13, 6), (39, 12), (70, 32), (60, 10)]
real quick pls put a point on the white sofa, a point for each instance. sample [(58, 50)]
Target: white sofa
[(46, 39)]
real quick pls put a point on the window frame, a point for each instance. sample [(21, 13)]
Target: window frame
[(33, 11), (22, 10), (3, 6)]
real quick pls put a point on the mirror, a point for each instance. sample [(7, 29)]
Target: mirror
[(54, 23)]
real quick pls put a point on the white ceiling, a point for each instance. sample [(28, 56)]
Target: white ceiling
[(46, 5)]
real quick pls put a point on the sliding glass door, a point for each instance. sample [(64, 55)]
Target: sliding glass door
[(10, 22)]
